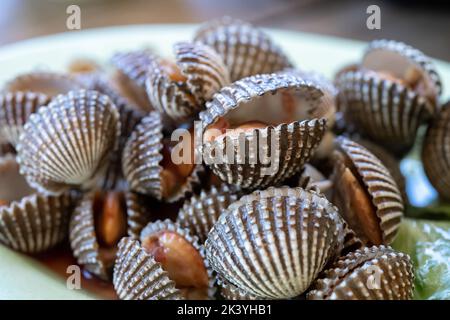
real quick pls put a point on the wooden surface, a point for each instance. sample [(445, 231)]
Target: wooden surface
[(426, 27)]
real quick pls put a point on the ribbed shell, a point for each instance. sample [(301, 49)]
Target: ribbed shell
[(390, 162), (157, 226), (49, 83), (436, 153), (200, 212), (141, 160), (138, 213), (137, 276), (294, 142), (67, 143), (274, 243), (36, 223), (415, 56), (83, 239), (354, 277), (205, 74), (130, 117), (245, 50), (381, 187), (134, 65), (230, 292), (387, 112), (15, 109)]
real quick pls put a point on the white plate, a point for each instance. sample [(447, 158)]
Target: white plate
[(23, 278)]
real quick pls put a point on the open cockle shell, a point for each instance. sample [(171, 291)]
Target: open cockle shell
[(267, 155), (373, 207), (200, 212), (370, 273), (67, 143), (245, 50), (389, 94), (404, 60), (49, 83), (180, 91), (30, 222), (15, 109), (137, 276), (387, 112), (85, 233), (141, 162), (156, 227), (274, 243), (131, 73), (435, 152)]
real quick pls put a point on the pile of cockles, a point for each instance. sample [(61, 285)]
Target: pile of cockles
[(87, 157)]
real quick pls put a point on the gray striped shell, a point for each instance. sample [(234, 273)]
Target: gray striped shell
[(273, 153), (245, 50), (137, 276), (167, 225), (204, 74), (398, 56), (67, 143), (273, 243), (130, 116), (200, 212), (386, 112), (15, 109), (130, 76), (141, 161), (49, 83), (389, 94), (370, 273), (435, 152), (379, 188), (84, 241), (230, 292), (138, 213), (35, 223)]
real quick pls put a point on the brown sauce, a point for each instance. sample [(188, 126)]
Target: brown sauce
[(58, 259)]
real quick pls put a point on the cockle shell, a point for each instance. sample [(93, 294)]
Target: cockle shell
[(380, 188), (200, 212), (167, 225), (141, 161), (137, 276), (36, 223), (49, 83), (84, 241), (435, 152), (285, 146), (15, 109), (387, 112), (204, 74), (130, 116), (274, 243), (390, 94), (399, 56), (30, 222), (245, 50), (370, 273), (138, 212), (132, 71), (389, 161), (67, 143)]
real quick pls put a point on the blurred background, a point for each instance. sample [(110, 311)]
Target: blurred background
[(424, 24)]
